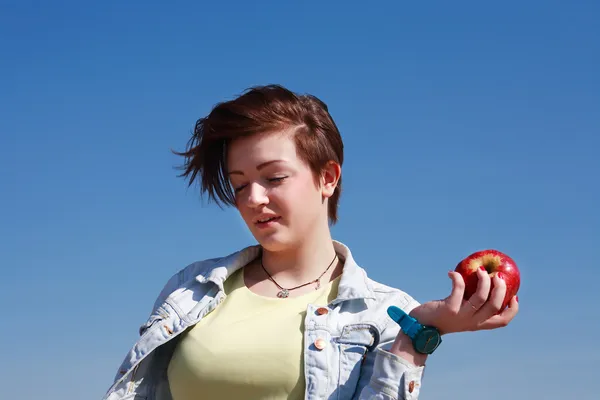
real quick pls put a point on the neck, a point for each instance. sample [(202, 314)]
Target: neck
[(303, 263)]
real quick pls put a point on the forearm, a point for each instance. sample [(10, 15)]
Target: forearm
[(393, 378), (397, 372), (404, 349), (394, 370)]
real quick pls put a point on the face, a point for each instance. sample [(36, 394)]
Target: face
[(276, 192)]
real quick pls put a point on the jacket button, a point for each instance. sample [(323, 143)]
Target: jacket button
[(320, 344), (322, 311), (411, 386)]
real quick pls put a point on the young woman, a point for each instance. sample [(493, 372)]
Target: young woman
[(293, 317)]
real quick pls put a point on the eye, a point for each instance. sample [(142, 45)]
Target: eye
[(239, 188), (277, 179)]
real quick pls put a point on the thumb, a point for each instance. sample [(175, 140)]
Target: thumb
[(458, 290)]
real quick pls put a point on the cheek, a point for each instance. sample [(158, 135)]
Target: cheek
[(305, 196), (245, 212)]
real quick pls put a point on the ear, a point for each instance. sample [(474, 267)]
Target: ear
[(330, 176)]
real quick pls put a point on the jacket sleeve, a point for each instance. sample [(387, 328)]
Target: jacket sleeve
[(386, 376)]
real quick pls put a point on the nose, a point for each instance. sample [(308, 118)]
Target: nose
[(257, 196)]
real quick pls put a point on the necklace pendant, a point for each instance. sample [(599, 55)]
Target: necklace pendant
[(283, 293), (318, 284)]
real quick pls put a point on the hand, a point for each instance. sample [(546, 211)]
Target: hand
[(480, 312)]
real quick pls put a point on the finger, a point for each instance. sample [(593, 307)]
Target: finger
[(458, 290), (504, 318), (482, 292), (494, 303)]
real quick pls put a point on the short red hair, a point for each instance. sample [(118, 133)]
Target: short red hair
[(262, 109)]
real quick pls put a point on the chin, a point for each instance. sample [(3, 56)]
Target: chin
[(274, 242)]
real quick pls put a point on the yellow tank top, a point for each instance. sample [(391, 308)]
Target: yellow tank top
[(250, 347)]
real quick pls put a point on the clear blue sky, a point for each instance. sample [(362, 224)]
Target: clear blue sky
[(467, 126)]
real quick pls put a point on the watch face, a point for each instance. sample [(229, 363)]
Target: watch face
[(427, 340)]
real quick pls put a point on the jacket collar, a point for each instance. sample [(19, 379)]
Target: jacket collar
[(353, 283)]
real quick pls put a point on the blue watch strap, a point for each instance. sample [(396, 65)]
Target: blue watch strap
[(409, 325)]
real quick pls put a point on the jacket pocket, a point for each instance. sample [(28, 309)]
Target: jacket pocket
[(353, 344)]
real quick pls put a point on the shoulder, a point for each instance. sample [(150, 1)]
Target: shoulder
[(384, 293), (359, 284), (180, 278), (213, 269), (385, 296)]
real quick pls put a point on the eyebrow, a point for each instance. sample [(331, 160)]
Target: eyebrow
[(258, 167)]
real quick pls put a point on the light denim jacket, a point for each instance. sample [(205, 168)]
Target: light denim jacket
[(354, 364)]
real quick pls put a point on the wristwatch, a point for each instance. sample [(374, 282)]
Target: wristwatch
[(425, 339)]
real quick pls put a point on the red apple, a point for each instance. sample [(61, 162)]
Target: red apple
[(494, 262)]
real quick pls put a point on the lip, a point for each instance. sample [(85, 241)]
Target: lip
[(267, 224), (264, 216)]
